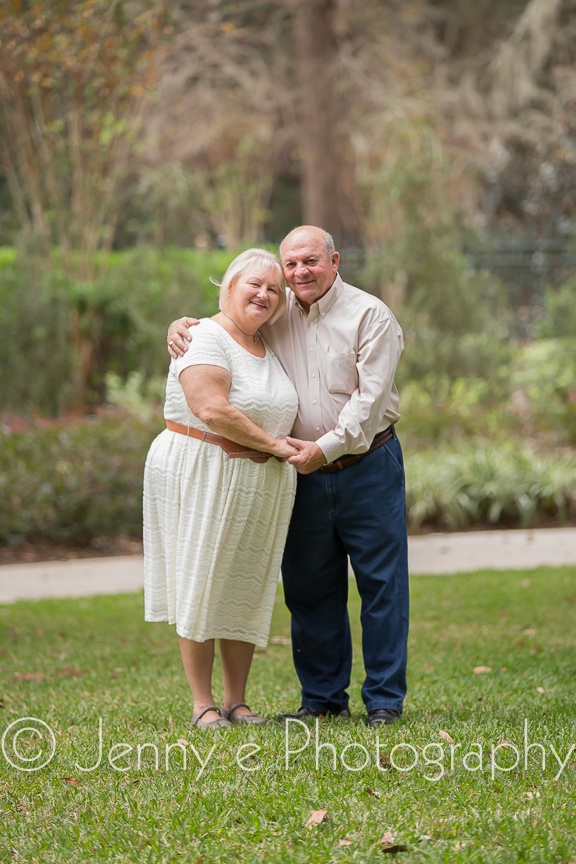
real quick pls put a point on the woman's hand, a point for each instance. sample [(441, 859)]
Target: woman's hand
[(283, 450), (178, 337), (206, 389), (308, 458)]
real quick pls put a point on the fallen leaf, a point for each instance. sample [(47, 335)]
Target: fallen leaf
[(529, 631), (387, 839), (72, 780), (478, 670), (184, 742), (344, 842), (532, 794), (384, 761), (540, 690), (370, 791), (393, 850), (316, 818), (28, 676), (280, 640), (69, 670), (445, 736)]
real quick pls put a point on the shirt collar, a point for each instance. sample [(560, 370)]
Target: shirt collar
[(325, 303)]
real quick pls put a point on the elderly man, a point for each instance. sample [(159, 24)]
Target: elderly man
[(341, 347)]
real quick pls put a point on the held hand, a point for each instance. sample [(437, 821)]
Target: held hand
[(309, 456), (178, 338), (284, 450)]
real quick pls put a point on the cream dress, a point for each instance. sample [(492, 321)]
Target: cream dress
[(214, 527)]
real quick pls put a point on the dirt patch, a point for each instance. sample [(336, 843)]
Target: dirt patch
[(28, 553)]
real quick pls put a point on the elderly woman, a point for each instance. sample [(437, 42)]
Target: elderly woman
[(218, 492)]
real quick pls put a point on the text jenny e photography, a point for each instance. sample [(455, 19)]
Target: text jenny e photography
[(30, 744)]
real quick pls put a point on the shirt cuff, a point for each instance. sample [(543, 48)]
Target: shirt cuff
[(331, 446)]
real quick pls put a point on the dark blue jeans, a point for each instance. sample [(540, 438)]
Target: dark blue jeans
[(359, 512)]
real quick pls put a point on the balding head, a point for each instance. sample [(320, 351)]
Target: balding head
[(311, 231), (310, 263)]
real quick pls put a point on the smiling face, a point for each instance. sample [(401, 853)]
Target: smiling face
[(309, 268), (253, 298), (253, 289)]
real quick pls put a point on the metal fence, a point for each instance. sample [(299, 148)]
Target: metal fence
[(526, 266)]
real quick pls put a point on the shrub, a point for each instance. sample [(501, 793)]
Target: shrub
[(559, 313), (35, 354), (505, 486), (73, 481), (545, 372), (121, 317), (80, 481)]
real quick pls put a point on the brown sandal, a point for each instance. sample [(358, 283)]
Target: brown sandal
[(242, 719), (219, 723)]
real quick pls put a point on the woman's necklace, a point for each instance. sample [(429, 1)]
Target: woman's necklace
[(255, 338)]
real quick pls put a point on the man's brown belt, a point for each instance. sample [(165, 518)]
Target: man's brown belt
[(234, 450), (346, 461)]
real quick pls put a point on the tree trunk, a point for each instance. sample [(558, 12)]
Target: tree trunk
[(319, 121)]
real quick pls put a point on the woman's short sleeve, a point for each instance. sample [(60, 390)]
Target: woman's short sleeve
[(207, 348)]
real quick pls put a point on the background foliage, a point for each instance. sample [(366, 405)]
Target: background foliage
[(420, 134), (122, 316)]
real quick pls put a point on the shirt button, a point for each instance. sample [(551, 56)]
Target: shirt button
[(317, 428), (314, 401), (311, 349), (313, 374)]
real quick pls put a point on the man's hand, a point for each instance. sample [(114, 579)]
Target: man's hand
[(309, 457), (178, 337), (284, 450)]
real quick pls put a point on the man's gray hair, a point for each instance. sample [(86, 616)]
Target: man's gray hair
[(329, 243)]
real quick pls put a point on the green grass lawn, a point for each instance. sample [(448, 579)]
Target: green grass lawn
[(481, 768)]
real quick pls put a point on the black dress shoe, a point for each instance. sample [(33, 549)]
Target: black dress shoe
[(382, 717), (304, 711)]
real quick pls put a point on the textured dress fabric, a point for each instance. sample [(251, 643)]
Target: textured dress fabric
[(214, 527)]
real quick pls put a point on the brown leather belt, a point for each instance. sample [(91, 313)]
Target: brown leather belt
[(345, 461), (234, 450)]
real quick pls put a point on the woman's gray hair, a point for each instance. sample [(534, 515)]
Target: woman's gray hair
[(257, 262)]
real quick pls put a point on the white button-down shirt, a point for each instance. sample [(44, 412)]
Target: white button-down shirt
[(341, 357)]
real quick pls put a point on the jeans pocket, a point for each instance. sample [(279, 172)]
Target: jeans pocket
[(392, 452)]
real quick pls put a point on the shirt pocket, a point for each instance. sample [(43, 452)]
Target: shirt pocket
[(341, 373)]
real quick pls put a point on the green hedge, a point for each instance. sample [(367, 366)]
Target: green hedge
[(73, 481), (81, 481), (123, 315), (492, 485)]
